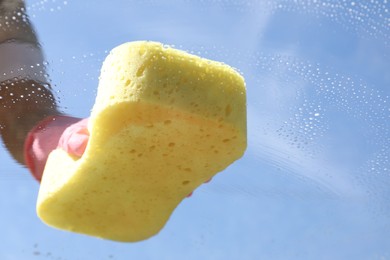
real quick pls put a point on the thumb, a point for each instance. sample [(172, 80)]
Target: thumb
[(74, 139)]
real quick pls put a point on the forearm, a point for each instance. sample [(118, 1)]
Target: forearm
[(20, 111), (15, 23), (25, 98)]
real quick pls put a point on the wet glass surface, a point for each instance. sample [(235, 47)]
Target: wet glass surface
[(314, 182)]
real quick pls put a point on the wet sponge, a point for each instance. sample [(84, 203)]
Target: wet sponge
[(164, 122)]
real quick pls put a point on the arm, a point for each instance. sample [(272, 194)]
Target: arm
[(25, 96), (18, 115), (30, 122)]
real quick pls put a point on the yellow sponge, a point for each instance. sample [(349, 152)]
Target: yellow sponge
[(164, 122)]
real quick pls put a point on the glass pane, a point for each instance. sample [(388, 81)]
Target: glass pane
[(314, 181)]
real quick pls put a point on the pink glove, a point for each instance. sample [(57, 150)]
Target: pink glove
[(68, 133), (75, 138), (189, 195)]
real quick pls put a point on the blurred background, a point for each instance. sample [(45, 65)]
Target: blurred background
[(314, 182)]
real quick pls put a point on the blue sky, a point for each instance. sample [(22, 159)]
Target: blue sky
[(314, 181)]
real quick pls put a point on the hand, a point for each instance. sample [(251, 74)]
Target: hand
[(68, 133)]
